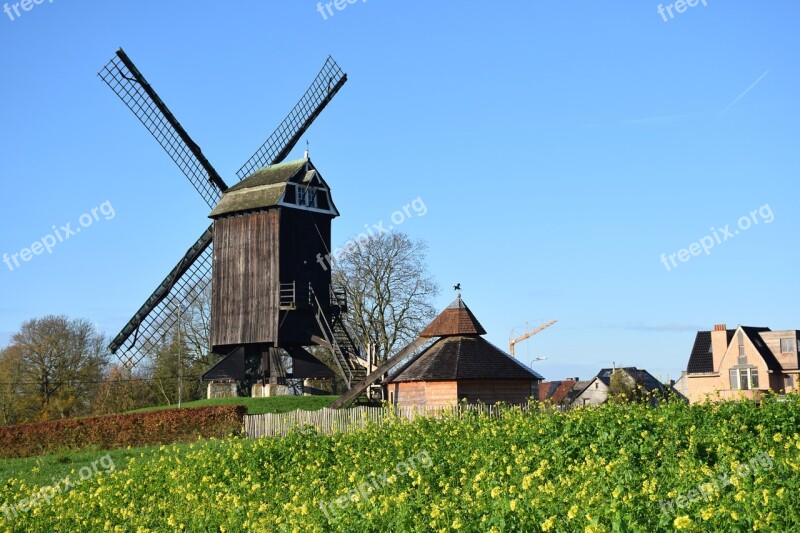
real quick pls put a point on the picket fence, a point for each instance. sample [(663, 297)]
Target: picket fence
[(330, 421)]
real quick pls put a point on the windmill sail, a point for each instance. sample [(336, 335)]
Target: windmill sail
[(144, 334), (122, 76), (278, 145)]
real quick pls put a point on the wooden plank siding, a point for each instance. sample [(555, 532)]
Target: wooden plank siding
[(491, 391), (245, 299), (425, 393)]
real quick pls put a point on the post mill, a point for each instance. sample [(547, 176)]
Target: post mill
[(270, 299)]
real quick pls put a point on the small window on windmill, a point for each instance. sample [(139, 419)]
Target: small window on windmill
[(322, 199), (306, 196), (290, 196)]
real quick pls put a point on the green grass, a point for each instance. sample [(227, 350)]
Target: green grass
[(42, 470), (256, 406)]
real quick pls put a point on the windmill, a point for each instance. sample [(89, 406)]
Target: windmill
[(267, 298)]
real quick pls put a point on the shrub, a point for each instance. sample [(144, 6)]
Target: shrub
[(120, 431)]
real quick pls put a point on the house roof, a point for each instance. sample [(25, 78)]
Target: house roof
[(642, 377), (701, 361), (555, 391), (462, 357), (265, 187), (766, 354), (456, 319)]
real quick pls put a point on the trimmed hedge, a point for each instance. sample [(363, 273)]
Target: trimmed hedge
[(121, 431)]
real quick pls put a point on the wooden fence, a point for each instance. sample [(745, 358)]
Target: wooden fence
[(330, 421)]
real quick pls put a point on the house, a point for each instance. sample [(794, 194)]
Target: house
[(742, 363), (597, 390), (681, 386), (461, 365), (557, 393)]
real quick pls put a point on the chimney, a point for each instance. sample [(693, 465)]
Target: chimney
[(719, 344)]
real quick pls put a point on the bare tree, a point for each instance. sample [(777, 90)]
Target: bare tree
[(65, 360), (389, 290)]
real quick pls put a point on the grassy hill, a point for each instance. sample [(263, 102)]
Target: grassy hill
[(255, 406)]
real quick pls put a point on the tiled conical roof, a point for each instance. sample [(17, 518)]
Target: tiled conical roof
[(461, 358), (457, 319)]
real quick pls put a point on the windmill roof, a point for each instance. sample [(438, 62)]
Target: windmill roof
[(455, 358), (263, 188), (271, 175), (456, 319)]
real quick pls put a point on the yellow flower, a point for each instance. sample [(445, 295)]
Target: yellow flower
[(496, 492), (682, 522), (573, 512), (548, 524)]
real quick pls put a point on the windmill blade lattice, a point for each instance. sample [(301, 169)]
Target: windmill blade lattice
[(144, 334), (122, 76), (278, 145)]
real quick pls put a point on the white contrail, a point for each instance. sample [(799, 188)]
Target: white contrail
[(752, 86)]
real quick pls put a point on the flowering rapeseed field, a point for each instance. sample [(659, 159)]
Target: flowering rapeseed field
[(724, 467)]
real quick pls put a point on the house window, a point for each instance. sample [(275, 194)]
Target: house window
[(788, 346), (789, 381), (744, 378)]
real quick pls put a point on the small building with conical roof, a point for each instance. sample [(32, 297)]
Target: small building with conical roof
[(461, 365)]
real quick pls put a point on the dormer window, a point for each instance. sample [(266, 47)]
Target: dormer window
[(788, 345), (306, 196)]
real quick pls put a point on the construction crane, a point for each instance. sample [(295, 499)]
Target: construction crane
[(527, 335)]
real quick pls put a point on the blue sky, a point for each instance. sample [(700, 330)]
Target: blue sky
[(559, 150)]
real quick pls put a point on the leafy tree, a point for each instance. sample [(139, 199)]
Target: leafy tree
[(12, 387), (389, 290), (64, 359), (625, 388), (123, 390)]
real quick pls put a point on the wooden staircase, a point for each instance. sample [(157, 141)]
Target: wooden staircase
[(347, 360)]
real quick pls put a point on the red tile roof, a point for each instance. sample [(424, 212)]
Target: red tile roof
[(555, 391), (457, 319)]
